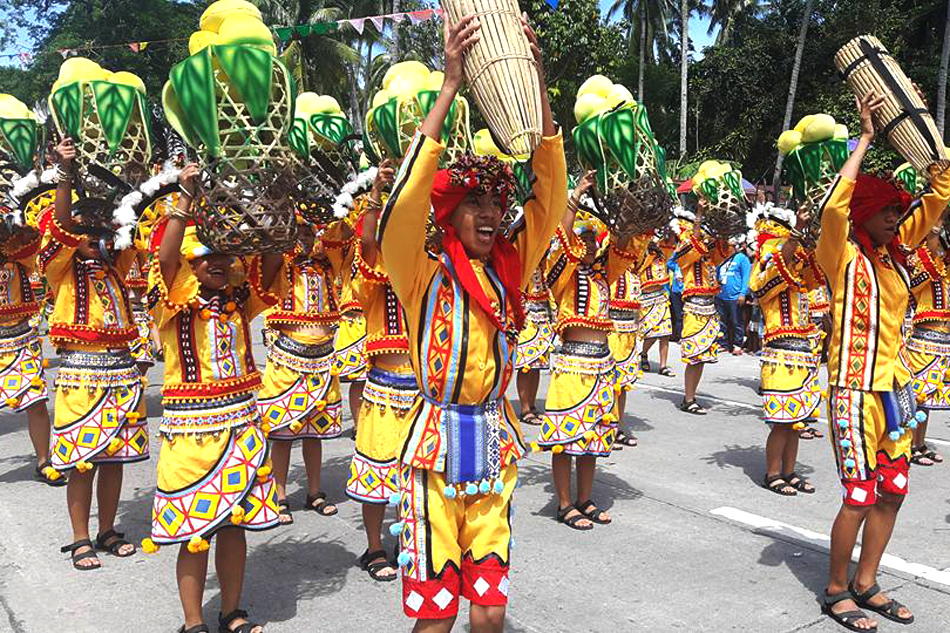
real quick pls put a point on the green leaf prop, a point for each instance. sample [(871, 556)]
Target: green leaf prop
[(384, 120), (522, 171), (710, 189), (908, 177), (20, 136), (298, 139), (66, 104), (369, 148), (176, 116), (114, 105), (809, 164), (332, 127), (426, 99), (251, 72), (193, 82), (589, 151), (618, 130), (733, 180)]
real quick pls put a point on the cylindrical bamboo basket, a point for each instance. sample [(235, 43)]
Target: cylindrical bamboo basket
[(867, 66), (501, 73)]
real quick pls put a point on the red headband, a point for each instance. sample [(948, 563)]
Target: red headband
[(871, 196)]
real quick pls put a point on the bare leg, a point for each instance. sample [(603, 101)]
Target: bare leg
[(691, 378), (280, 461), (664, 350), (775, 449), (355, 396), (108, 491), (647, 344), (528, 389), (38, 421), (586, 466), (79, 500), (920, 438), (877, 533), (434, 626), (790, 453), (191, 571), (230, 557), (484, 619), (561, 471), (313, 460), (844, 534)]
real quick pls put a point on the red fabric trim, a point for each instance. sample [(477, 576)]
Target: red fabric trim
[(387, 345), (136, 284), (789, 332), (928, 263), (68, 333), (493, 573), (369, 272), (20, 309), (699, 291), (62, 235), (931, 315), (870, 492), (653, 284), (593, 323), (573, 254), (254, 278), (698, 244), (204, 390), (623, 304), (888, 470), (428, 590), (26, 252), (786, 274), (288, 317)]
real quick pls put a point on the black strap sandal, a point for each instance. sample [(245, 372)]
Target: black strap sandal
[(778, 485), (807, 433), (572, 522), (592, 512), (889, 609), (41, 475), (375, 562), (224, 622), (919, 457), (692, 407), (75, 558), (319, 504), (846, 619), (624, 440), (198, 628), (113, 547), (666, 371), (930, 453), (283, 510), (644, 363), (797, 482)]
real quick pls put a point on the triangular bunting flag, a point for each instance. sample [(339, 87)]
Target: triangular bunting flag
[(357, 24), (379, 22), (419, 16), (303, 30), (284, 33), (397, 17)]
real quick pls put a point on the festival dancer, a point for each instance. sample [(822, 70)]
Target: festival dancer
[(581, 413), (349, 360), (623, 310), (535, 342), (99, 412), (783, 274), (213, 471), (698, 255), (137, 282), (300, 399), (656, 324), (870, 399), (390, 388), (22, 366), (461, 440), (928, 346)]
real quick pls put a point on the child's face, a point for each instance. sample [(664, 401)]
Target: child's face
[(882, 226), (476, 221), (590, 247), (212, 271)]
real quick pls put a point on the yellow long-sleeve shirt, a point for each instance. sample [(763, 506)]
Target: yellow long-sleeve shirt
[(91, 307), (869, 294), (698, 261), (781, 290), (655, 274), (17, 300), (385, 318), (458, 355), (930, 283)]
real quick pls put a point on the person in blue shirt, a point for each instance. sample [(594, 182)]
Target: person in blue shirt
[(676, 298), (734, 281)]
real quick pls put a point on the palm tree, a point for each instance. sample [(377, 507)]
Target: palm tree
[(684, 70), (646, 20), (793, 83), (725, 13), (942, 77)]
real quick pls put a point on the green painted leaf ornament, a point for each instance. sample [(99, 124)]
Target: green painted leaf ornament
[(331, 127), (20, 135), (66, 105), (385, 122), (114, 105), (298, 139), (193, 82), (250, 72)]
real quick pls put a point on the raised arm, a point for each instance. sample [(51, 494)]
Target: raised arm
[(63, 208), (384, 179), (169, 251), (916, 225)]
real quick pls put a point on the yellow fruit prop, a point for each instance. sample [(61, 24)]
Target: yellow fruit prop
[(588, 105), (200, 40), (820, 128), (789, 140), (597, 85), (218, 11)]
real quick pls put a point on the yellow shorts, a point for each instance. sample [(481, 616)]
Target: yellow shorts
[(869, 458), (453, 545)]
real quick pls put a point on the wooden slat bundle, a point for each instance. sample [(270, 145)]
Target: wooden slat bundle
[(501, 73), (867, 66)]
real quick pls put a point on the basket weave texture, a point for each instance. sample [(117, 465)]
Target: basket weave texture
[(868, 67), (501, 73)]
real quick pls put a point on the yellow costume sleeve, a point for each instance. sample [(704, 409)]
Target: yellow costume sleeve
[(170, 301), (691, 248), (563, 260), (834, 247), (772, 274), (56, 255), (914, 227), (631, 256), (262, 298)]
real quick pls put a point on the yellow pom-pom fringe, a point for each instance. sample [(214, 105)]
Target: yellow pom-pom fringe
[(114, 446), (12, 402), (266, 428), (557, 449), (321, 405), (149, 546), (52, 474), (83, 466), (206, 315), (618, 389), (609, 418), (798, 426), (535, 447), (589, 435), (263, 473), (133, 415), (45, 363), (296, 426), (198, 544), (36, 382), (100, 275), (237, 515)]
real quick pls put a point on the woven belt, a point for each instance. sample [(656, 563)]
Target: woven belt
[(931, 336), (392, 380), (78, 359), (583, 348), (791, 344), (304, 350), (622, 314), (13, 331)]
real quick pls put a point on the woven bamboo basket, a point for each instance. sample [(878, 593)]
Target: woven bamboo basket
[(868, 67), (725, 217), (501, 73)]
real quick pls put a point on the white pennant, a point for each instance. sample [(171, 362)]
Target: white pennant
[(379, 22), (357, 24)]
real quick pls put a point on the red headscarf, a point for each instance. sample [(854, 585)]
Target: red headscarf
[(479, 174), (871, 196)]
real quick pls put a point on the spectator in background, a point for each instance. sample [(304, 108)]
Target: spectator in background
[(676, 299), (734, 282)]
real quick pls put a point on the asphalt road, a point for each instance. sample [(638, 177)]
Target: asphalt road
[(696, 543)]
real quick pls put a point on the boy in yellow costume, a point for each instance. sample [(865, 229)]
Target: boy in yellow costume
[(213, 470), (871, 405), (581, 414), (99, 422), (390, 387), (300, 398), (783, 275), (461, 439), (22, 367), (656, 323), (698, 256), (928, 346)]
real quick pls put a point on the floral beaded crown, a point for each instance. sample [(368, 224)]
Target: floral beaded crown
[(483, 175)]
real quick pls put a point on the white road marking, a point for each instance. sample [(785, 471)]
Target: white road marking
[(823, 542)]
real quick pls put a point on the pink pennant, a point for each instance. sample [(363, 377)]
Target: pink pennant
[(397, 17), (420, 16), (379, 22), (357, 24)]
